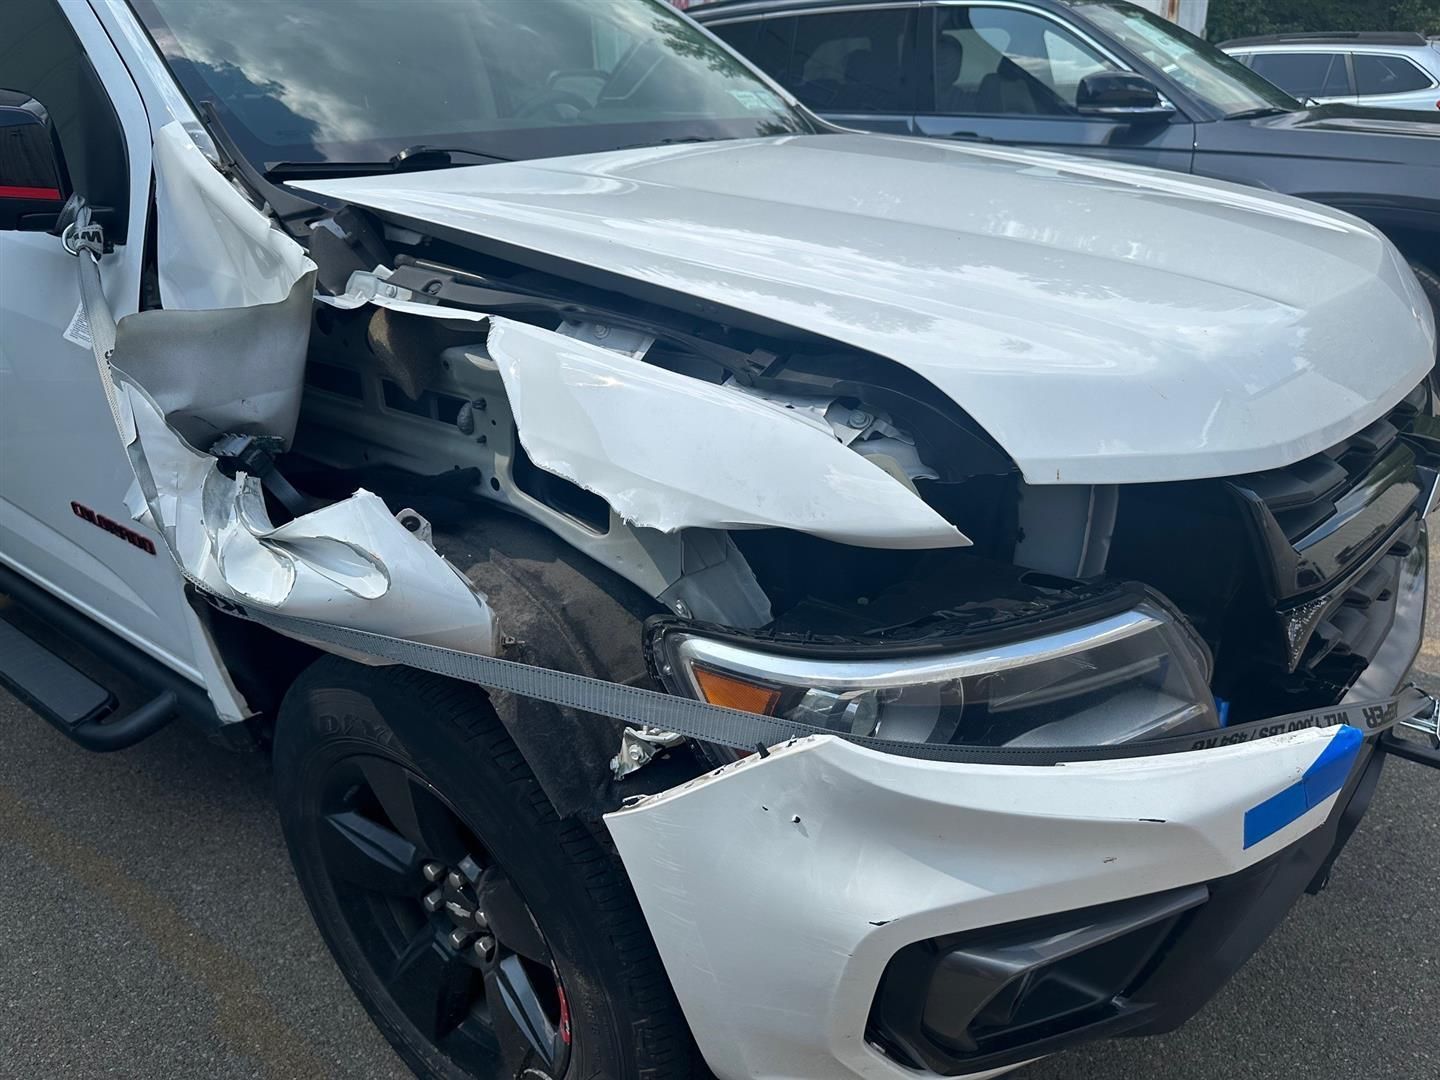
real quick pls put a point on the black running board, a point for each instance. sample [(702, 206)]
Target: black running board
[(98, 728), (74, 703)]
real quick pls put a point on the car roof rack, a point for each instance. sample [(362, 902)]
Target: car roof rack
[(1338, 37)]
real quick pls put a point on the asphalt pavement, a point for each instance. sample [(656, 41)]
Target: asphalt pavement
[(150, 926)]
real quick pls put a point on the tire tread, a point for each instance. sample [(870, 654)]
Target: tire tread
[(657, 1028)]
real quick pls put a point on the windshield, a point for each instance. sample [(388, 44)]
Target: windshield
[(1214, 77), (362, 80)]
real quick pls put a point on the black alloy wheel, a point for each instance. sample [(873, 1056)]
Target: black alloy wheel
[(440, 921), (488, 938)]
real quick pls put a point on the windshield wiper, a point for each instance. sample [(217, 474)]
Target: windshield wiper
[(675, 141), (1251, 114), (417, 157), (425, 153)]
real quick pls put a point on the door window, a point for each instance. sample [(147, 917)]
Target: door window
[(40, 56), (766, 43), (1001, 61), (1388, 75), (1305, 75), (854, 61)]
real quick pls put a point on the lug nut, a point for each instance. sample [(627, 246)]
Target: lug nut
[(434, 901), (433, 871), (480, 920), (485, 946), (455, 881), (459, 939)]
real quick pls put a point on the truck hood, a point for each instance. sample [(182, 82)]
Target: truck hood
[(1105, 324)]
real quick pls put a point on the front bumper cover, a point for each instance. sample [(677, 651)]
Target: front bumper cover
[(781, 889)]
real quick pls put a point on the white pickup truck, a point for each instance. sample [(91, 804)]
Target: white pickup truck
[(723, 594)]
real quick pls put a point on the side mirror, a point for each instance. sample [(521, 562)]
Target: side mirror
[(34, 182), (1121, 95)]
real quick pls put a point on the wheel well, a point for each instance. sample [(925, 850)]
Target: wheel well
[(559, 609), (556, 608), (261, 663)]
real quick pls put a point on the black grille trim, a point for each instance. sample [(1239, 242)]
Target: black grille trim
[(1320, 519)]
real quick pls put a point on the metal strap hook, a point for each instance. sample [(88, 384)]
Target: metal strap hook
[(1427, 724), (78, 231)]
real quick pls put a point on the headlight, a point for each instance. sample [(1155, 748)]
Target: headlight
[(1136, 675)]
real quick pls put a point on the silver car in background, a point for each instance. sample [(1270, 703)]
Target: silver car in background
[(1386, 71)]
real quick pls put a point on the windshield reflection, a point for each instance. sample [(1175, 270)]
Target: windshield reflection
[(363, 80), (1214, 77)]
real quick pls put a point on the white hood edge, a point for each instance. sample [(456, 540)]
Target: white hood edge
[(1104, 324)]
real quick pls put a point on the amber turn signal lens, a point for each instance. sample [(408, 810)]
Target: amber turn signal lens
[(733, 693)]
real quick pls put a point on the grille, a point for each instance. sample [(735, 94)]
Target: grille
[(1306, 495), (1322, 519), (1352, 627)]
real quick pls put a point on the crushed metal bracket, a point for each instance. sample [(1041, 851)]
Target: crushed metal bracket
[(638, 746), (373, 287)]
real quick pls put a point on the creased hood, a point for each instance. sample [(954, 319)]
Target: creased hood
[(1104, 324)]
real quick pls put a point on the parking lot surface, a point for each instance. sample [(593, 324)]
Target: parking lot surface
[(150, 926)]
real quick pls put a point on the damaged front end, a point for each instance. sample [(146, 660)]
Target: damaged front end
[(1033, 771), (196, 433)]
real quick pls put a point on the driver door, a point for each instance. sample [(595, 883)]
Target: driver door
[(1009, 74), (63, 472)]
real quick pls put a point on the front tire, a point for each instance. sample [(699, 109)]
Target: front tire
[(487, 938)]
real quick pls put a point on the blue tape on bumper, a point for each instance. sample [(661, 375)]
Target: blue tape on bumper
[(1321, 780)]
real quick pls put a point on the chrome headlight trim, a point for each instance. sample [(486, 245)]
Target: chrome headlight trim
[(1139, 673), (859, 674)]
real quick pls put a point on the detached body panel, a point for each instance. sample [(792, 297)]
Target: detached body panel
[(671, 452)]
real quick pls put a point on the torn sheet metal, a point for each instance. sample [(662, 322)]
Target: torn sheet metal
[(671, 452), (236, 369), (779, 888), (351, 563), (227, 354), (213, 248)]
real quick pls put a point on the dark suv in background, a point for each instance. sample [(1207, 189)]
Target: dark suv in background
[(1097, 77)]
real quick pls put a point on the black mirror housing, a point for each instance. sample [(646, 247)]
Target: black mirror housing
[(34, 182), (1121, 95)]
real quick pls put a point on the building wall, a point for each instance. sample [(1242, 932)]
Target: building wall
[(1191, 14)]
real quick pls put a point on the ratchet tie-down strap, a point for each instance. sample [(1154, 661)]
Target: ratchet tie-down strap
[(687, 717), (742, 730)]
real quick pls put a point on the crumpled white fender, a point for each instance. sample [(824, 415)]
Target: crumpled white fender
[(350, 563), (227, 355), (670, 452)]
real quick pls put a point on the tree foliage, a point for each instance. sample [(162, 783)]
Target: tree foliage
[(1243, 18)]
